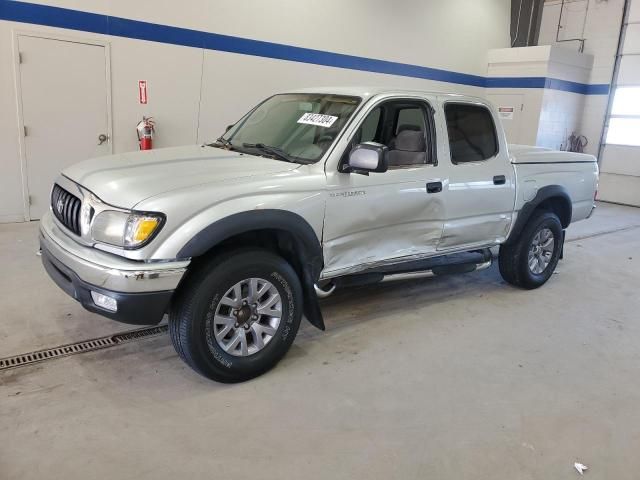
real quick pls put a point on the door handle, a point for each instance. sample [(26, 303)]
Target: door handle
[(499, 180), (434, 187)]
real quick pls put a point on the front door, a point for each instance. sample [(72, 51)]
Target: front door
[(385, 217), (64, 91)]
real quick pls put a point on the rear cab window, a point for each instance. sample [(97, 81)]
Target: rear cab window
[(471, 131)]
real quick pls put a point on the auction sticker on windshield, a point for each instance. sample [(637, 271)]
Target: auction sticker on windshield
[(317, 119)]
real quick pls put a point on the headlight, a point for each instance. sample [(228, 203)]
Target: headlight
[(128, 230)]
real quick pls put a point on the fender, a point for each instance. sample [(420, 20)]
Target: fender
[(306, 244), (543, 194)]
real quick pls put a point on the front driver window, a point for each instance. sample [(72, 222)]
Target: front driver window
[(369, 127), (405, 127)]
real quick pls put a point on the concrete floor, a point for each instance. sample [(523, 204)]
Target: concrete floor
[(457, 377)]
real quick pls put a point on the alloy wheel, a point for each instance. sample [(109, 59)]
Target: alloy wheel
[(541, 251), (247, 317)]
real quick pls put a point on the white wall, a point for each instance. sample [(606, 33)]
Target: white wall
[(549, 116), (598, 22), (11, 207), (195, 93), (560, 117)]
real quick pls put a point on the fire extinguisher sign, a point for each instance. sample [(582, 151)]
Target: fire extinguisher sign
[(142, 91)]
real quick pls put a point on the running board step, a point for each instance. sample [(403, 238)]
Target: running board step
[(369, 278), (439, 271)]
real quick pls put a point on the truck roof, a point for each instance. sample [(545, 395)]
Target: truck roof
[(369, 91)]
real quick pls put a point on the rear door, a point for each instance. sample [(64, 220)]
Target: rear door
[(383, 217), (480, 195)]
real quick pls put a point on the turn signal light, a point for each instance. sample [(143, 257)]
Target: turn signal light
[(140, 228), (145, 228)]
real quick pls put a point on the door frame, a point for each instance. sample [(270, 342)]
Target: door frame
[(15, 34)]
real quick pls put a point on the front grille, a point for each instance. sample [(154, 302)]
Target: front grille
[(66, 208)]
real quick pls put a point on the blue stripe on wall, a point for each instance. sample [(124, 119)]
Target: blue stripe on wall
[(516, 82), (122, 27)]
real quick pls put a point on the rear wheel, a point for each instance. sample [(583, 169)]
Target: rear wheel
[(237, 316), (529, 261)]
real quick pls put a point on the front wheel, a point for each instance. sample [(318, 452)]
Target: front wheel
[(237, 316), (529, 261)]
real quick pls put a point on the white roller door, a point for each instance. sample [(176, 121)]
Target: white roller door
[(620, 162)]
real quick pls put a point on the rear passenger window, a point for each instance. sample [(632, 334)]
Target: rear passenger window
[(472, 133)]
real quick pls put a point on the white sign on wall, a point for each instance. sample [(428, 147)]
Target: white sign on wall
[(142, 92), (505, 113)]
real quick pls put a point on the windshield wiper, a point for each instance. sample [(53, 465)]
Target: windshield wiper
[(221, 142), (275, 152)]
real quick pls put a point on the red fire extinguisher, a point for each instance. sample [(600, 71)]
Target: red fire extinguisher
[(145, 131)]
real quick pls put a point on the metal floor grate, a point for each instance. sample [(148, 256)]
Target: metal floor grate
[(79, 347)]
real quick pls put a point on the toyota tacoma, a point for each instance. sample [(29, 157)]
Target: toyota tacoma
[(311, 191)]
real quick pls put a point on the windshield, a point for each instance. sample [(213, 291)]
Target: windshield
[(295, 126)]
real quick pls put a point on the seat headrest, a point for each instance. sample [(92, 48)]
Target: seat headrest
[(410, 141), (406, 126)]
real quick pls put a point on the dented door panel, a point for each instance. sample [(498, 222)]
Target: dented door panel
[(477, 210), (480, 196), (380, 218)]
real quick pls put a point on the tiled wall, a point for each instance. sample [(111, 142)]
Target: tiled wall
[(598, 22), (560, 116), (549, 115)]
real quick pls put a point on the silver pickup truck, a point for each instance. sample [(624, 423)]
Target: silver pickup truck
[(310, 191)]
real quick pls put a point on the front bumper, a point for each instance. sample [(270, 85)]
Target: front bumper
[(142, 290)]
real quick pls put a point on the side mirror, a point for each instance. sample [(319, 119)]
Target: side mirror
[(368, 157), (229, 127)]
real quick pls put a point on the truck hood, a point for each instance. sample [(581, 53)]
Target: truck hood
[(126, 179)]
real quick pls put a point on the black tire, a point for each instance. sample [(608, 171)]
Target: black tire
[(190, 314), (513, 257)]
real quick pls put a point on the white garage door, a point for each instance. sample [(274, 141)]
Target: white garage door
[(64, 93), (620, 165)]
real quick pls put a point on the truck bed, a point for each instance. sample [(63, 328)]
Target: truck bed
[(525, 154), (538, 167)]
